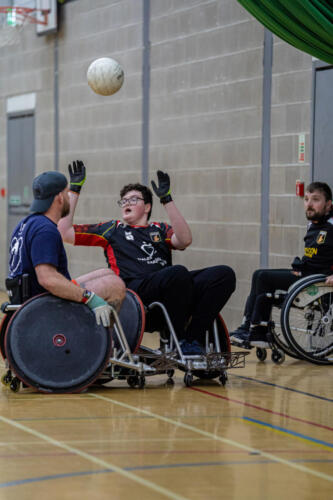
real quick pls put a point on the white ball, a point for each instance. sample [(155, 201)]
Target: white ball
[(105, 76)]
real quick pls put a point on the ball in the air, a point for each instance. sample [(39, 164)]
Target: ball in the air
[(105, 76)]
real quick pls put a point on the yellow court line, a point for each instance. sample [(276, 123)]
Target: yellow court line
[(231, 442), (287, 434), (98, 461)]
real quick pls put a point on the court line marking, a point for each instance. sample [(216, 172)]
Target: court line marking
[(267, 410), (218, 438), (284, 431), (19, 482), (252, 379), (91, 458)]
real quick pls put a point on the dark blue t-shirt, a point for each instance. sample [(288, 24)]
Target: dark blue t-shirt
[(36, 240)]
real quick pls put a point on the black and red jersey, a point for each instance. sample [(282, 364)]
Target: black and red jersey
[(318, 251), (130, 251)]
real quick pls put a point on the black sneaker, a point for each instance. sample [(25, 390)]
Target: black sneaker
[(258, 337), (240, 337)]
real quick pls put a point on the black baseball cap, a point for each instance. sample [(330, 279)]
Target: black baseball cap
[(45, 187)]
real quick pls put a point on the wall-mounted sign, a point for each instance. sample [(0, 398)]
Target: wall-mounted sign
[(301, 148)]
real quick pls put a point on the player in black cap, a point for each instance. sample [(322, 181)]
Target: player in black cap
[(37, 249)]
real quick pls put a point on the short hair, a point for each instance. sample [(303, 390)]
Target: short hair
[(322, 187), (144, 190)]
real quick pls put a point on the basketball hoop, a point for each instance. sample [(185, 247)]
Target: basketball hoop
[(14, 19)]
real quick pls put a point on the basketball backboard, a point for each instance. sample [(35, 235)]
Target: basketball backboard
[(52, 21)]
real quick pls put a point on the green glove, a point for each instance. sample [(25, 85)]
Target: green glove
[(77, 176), (101, 309), (163, 189)]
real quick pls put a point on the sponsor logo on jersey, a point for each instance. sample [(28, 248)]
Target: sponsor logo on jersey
[(155, 237), (309, 251), (150, 251), (321, 237), (129, 235)]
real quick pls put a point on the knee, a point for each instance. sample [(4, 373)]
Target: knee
[(116, 288), (230, 277), (180, 272), (226, 276)]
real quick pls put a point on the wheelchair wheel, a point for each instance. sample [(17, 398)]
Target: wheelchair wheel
[(278, 336), (3, 328), (132, 319), (55, 345), (307, 320)]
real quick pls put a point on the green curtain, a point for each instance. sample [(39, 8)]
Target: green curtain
[(305, 24)]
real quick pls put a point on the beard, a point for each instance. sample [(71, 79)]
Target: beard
[(313, 215), (65, 209)]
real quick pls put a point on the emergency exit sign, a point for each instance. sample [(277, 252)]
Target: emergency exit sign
[(301, 148)]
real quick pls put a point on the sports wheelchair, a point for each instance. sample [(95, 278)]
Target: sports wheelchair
[(302, 322), (55, 346)]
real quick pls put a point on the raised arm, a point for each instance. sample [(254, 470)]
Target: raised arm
[(77, 175), (182, 236)]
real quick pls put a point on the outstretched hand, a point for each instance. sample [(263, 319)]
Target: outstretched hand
[(77, 176), (163, 189)]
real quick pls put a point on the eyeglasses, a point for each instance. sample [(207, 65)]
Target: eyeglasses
[(133, 200)]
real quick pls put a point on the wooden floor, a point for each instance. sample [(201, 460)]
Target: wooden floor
[(266, 435)]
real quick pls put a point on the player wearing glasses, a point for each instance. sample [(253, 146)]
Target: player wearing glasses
[(139, 252)]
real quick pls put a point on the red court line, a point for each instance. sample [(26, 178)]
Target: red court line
[(267, 410)]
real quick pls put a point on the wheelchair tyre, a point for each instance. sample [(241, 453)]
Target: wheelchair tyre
[(3, 328), (278, 357), (303, 326), (188, 379), (223, 378), (55, 345), (261, 353)]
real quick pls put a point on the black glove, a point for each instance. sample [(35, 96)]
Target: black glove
[(77, 176), (163, 189)]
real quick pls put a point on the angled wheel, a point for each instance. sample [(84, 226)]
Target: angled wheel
[(307, 320), (55, 345)]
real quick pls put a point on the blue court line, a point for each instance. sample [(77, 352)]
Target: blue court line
[(20, 482), (283, 387), (287, 431)]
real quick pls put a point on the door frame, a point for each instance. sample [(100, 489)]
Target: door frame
[(317, 65)]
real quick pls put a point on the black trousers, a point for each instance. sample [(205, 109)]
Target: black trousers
[(199, 295), (258, 307)]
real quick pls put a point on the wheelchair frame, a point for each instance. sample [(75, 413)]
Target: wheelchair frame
[(135, 366), (285, 300)]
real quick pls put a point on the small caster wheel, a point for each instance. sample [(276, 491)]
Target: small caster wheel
[(278, 357), (133, 380), (141, 382), (15, 384), (223, 378), (170, 373), (7, 378), (261, 353), (188, 379)]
